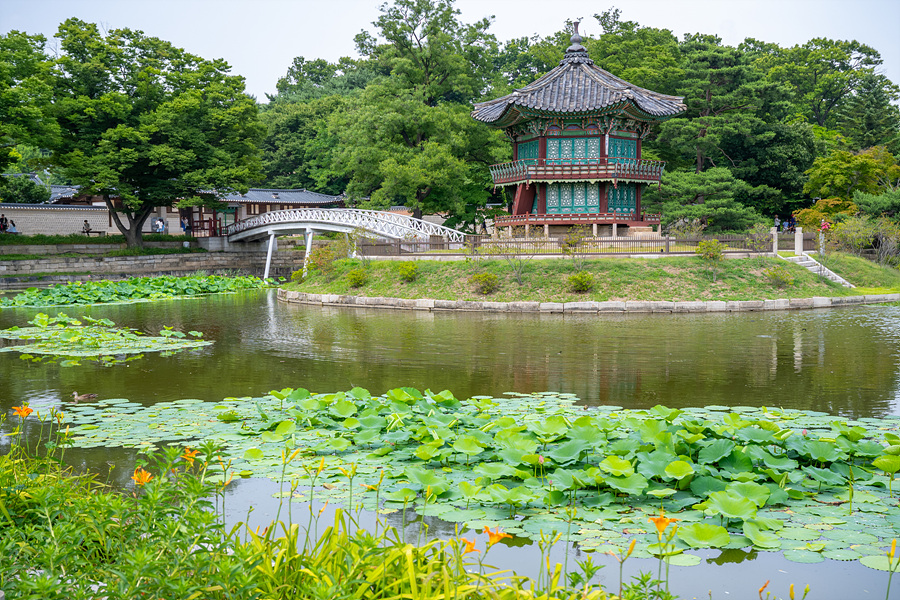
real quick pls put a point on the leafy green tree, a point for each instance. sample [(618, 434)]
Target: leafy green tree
[(875, 205), (822, 72), (870, 117), (307, 80), (22, 190), (428, 48), (149, 124), (722, 93), (842, 173), (24, 95), (713, 197), (396, 149), (298, 149), (645, 56)]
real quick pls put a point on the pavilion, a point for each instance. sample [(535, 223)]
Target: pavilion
[(576, 135)]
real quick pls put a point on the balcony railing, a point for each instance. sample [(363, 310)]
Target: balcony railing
[(575, 218), (577, 169)]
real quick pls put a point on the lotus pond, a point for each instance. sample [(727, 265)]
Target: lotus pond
[(773, 421)]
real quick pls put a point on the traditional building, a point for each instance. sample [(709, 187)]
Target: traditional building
[(576, 135)]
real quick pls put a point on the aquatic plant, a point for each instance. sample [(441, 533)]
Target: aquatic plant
[(60, 336), (771, 479), (138, 289)]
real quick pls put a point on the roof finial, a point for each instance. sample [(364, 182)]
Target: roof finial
[(576, 52)]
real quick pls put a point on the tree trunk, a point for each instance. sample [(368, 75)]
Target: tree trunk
[(133, 232)]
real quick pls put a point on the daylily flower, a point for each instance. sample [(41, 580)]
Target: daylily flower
[(661, 522), (141, 477), (791, 591), (495, 536), (765, 585), (470, 546), (371, 488), (893, 551), (23, 411), (321, 466), (190, 454)]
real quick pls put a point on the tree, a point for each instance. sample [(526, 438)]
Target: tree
[(24, 95), (23, 190), (870, 117), (298, 149), (307, 80), (876, 205), (396, 149), (822, 72), (842, 173), (713, 197), (149, 124), (722, 94)]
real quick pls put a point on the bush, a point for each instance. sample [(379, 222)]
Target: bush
[(485, 283), (297, 276), (711, 251), (779, 276), (408, 271), (357, 278), (581, 282), (322, 260)]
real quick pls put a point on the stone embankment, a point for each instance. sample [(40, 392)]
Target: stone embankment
[(16, 274), (609, 307)]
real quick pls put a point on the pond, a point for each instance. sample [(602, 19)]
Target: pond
[(840, 361)]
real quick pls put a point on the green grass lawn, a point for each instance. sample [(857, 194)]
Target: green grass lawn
[(547, 280)]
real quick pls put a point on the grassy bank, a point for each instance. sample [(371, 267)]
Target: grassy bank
[(672, 279), (76, 238)]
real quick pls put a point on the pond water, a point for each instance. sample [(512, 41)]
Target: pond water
[(841, 361)]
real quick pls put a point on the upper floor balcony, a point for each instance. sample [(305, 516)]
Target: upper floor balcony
[(577, 169)]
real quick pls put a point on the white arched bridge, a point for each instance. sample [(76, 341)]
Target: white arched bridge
[(307, 221)]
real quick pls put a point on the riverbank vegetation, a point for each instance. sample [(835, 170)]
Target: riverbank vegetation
[(40, 239), (67, 536), (132, 290), (551, 280)]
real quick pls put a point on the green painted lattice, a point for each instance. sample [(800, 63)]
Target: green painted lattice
[(619, 148), (621, 199), (568, 198), (573, 150), (528, 150)]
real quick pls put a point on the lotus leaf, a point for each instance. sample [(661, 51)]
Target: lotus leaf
[(730, 506), (704, 535), (633, 484), (715, 451), (616, 466), (679, 469)]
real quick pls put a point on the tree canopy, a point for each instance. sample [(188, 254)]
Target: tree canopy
[(145, 124)]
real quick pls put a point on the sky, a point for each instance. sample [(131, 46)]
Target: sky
[(260, 38)]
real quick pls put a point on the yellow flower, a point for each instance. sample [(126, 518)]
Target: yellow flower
[(893, 551), (470, 546), (630, 548), (189, 454), (321, 466), (495, 536), (371, 488), (141, 477), (661, 522), (791, 591), (23, 411)]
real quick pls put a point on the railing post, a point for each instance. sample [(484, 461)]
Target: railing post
[(798, 241), (774, 232), (668, 251)]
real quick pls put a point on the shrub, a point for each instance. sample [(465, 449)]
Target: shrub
[(711, 251), (297, 276), (357, 278), (581, 282), (408, 271), (322, 260), (485, 283), (779, 276)]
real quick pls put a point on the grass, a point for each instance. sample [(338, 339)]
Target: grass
[(122, 252), (546, 280), (77, 238)]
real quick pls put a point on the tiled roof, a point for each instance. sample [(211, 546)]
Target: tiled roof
[(272, 196), (62, 192), (577, 86)]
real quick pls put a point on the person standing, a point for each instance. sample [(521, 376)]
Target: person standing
[(777, 223), (4, 224)]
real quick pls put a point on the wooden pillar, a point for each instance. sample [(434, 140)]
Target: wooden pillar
[(546, 230), (637, 199)]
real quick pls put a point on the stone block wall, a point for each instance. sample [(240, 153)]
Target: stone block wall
[(59, 219)]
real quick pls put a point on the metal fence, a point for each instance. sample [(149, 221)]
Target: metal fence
[(487, 246)]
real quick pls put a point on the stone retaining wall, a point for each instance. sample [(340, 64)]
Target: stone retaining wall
[(50, 249), (15, 274), (631, 306)]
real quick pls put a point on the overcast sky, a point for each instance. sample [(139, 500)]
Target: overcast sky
[(260, 38)]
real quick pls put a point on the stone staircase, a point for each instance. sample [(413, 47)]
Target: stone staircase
[(810, 264)]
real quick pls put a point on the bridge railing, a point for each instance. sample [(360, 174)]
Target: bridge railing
[(380, 223)]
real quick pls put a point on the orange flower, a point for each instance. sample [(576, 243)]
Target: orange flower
[(765, 585), (141, 477), (661, 522), (190, 454), (371, 488), (23, 411), (470, 546), (495, 536)]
